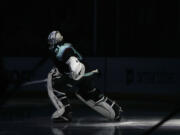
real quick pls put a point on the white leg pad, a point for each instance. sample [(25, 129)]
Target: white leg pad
[(57, 103), (100, 106)]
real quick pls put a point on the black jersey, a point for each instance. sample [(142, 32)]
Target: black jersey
[(60, 55)]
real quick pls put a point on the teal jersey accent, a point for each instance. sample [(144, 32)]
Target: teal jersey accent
[(60, 49)]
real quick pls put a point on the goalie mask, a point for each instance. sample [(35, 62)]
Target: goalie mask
[(54, 38)]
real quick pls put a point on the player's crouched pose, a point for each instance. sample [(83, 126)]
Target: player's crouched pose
[(69, 73)]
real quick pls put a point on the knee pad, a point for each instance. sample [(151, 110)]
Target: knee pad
[(103, 105)]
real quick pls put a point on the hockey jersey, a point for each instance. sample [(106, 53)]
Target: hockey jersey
[(61, 53)]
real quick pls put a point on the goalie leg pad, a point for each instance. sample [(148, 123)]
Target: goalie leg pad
[(106, 107), (60, 101)]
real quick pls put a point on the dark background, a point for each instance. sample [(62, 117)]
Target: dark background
[(113, 28), (134, 43), (124, 30)]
